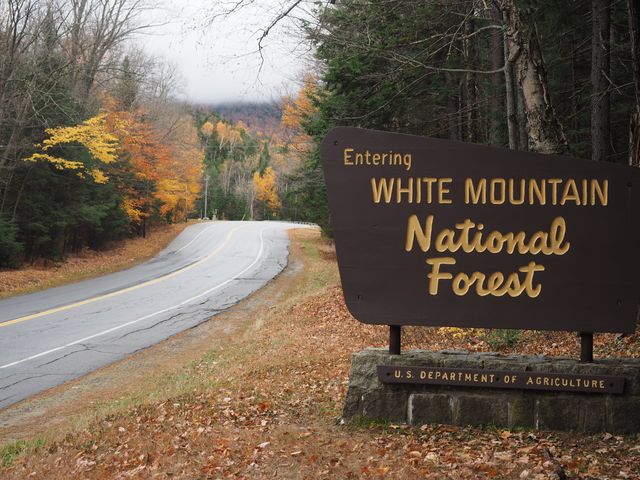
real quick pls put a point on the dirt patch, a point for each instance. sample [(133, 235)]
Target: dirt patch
[(327, 252), (88, 263), (264, 402)]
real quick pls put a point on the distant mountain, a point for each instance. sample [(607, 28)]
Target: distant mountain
[(259, 117)]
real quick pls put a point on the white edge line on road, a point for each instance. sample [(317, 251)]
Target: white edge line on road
[(124, 325), (192, 240)]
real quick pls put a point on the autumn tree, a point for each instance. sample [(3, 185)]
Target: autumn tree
[(56, 60), (265, 187), (91, 134), (295, 112)]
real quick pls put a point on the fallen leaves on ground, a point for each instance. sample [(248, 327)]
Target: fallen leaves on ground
[(272, 405)]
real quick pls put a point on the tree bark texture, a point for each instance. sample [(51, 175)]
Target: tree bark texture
[(545, 132), (600, 71), (497, 103), (634, 30)]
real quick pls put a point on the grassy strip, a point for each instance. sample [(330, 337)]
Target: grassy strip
[(10, 452)]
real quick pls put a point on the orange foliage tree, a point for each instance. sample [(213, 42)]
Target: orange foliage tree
[(295, 111), (165, 176), (153, 173)]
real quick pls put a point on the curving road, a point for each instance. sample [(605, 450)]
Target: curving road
[(56, 335)]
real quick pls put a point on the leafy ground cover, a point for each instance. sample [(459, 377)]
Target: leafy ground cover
[(266, 403)]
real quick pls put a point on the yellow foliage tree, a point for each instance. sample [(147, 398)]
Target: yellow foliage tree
[(207, 129), (295, 111), (170, 169), (179, 189), (91, 134), (265, 187)]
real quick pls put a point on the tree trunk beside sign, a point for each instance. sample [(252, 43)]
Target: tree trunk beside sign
[(600, 71), (634, 31), (546, 134)]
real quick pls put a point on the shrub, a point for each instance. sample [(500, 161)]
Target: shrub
[(499, 339), (10, 248)]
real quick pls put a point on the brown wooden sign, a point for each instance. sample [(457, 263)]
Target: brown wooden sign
[(464, 377), (435, 232)]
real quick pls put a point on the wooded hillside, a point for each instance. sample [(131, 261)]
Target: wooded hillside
[(550, 77)]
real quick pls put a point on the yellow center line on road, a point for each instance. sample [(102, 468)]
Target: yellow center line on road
[(124, 290)]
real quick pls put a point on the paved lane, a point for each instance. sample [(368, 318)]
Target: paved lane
[(50, 337)]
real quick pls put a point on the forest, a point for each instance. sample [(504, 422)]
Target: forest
[(549, 77), (93, 145), (96, 145)]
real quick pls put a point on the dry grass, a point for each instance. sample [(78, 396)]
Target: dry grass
[(265, 404)]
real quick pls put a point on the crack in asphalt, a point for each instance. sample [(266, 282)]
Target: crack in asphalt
[(9, 376), (138, 330), (6, 398), (63, 356), (94, 349), (4, 387)]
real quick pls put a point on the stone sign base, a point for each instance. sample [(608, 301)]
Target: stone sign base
[(419, 404)]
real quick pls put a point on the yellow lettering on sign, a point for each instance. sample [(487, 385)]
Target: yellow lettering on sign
[(347, 156), (497, 285), (475, 195), (470, 237), (408, 190), (600, 191), (570, 193), (442, 191), (381, 187), (498, 191), (435, 276), (536, 191)]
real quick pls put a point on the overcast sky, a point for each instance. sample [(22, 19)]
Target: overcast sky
[(218, 62)]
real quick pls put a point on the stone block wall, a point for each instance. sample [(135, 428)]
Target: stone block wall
[(418, 404)]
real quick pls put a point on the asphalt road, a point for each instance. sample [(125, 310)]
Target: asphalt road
[(50, 337)]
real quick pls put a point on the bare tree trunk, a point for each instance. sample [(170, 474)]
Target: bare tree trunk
[(634, 126), (523, 134), (452, 107), (470, 82), (575, 87), (545, 132), (512, 123), (497, 103), (600, 98)]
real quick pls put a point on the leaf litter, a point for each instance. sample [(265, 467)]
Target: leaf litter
[(275, 404)]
